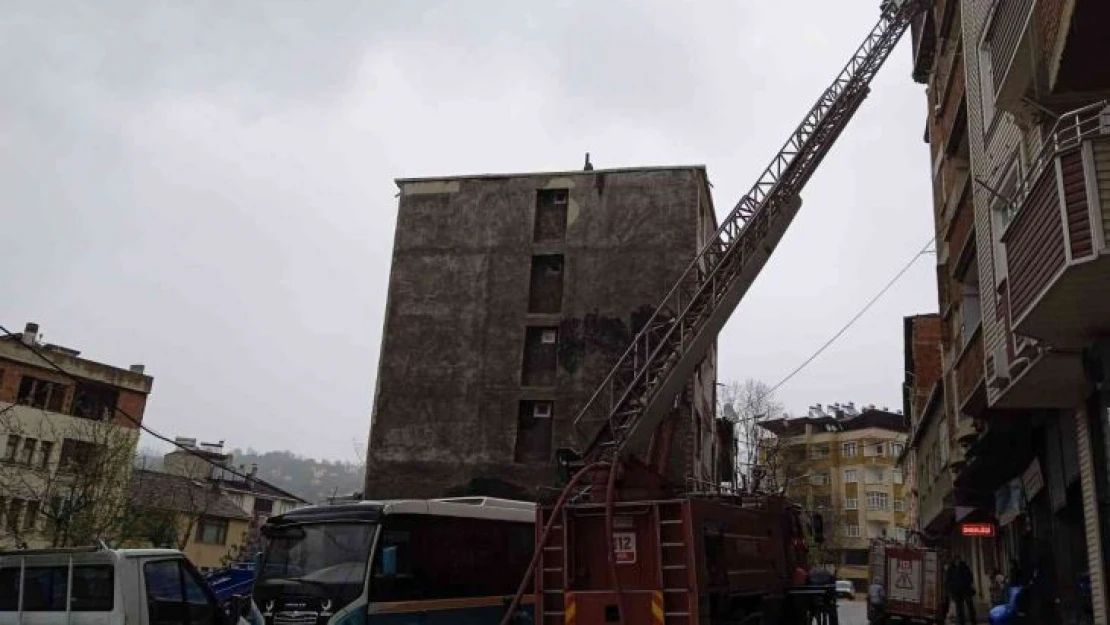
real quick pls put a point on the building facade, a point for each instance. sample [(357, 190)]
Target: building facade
[(843, 463), (1020, 141), (68, 442), (256, 498), (510, 298), (178, 512)]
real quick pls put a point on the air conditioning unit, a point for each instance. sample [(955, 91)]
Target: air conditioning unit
[(541, 410)]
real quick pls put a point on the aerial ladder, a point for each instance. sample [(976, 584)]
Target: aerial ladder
[(638, 393)]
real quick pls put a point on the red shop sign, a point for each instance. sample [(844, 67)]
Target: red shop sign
[(977, 529)]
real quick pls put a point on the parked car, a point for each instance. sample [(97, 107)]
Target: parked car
[(96, 586), (845, 589)]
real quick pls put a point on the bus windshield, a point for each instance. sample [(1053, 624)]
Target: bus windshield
[(325, 555)]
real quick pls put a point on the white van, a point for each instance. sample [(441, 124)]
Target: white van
[(93, 586)]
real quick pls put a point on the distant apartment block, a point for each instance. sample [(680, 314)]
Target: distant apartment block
[(841, 461), (67, 444), (510, 297)]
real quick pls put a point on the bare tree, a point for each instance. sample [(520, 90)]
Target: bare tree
[(63, 480), (748, 405)]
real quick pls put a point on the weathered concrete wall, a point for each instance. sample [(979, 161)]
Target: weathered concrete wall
[(449, 381)]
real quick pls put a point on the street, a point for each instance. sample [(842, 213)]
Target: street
[(852, 612)]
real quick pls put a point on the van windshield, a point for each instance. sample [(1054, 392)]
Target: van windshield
[(325, 554)]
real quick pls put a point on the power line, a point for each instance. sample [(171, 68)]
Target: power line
[(138, 423), (901, 272)]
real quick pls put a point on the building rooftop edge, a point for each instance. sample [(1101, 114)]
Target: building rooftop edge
[(577, 172)]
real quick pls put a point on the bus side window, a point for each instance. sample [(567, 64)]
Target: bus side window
[(9, 589)]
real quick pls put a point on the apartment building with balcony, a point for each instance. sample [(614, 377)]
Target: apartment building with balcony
[(66, 443), (510, 298), (1017, 116), (841, 462)]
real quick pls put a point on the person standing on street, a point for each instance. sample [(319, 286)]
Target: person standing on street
[(961, 588)]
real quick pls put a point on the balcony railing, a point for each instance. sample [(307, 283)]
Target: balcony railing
[(1055, 239)]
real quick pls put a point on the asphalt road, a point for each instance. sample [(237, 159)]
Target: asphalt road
[(852, 612)]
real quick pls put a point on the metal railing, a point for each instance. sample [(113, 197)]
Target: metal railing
[(1069, 132)]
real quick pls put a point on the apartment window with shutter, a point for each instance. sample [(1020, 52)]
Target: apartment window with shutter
[(15, 511), (28, 451), (13, 448), (31, 517), (46, 449)]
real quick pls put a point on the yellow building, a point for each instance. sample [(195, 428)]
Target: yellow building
[(842, 463), (178, 512)]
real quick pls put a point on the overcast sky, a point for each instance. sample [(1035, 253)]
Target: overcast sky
[(207, 187)]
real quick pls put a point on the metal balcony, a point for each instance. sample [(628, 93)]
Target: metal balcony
[(1055, 240)]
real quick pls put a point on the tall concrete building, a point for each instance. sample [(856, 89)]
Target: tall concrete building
[(510, 297), (1019, 135)]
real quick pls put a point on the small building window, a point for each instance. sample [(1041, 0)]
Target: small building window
[(848, 450), (540, 357), (212, 531), (551, 215), (819, 451), (850, 476), (39, 393), (899, 505), (533, 434), (545, 293), (851, 531), (851, 503)]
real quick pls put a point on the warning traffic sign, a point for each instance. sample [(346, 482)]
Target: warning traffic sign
[(905, 580)]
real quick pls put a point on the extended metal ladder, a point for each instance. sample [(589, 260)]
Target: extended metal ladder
[(639, 391)]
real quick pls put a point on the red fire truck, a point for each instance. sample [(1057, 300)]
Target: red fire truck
[(621, 546)]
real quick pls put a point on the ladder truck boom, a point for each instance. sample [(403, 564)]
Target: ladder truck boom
[(639, 390), (647, 554)]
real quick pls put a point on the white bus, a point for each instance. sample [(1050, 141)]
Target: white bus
[(456, 561)]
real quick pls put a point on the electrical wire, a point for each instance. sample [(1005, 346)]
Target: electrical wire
[(901, 272), (855, 318), (138, 423)]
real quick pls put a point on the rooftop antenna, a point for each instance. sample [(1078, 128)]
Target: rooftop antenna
[(588, 166)]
